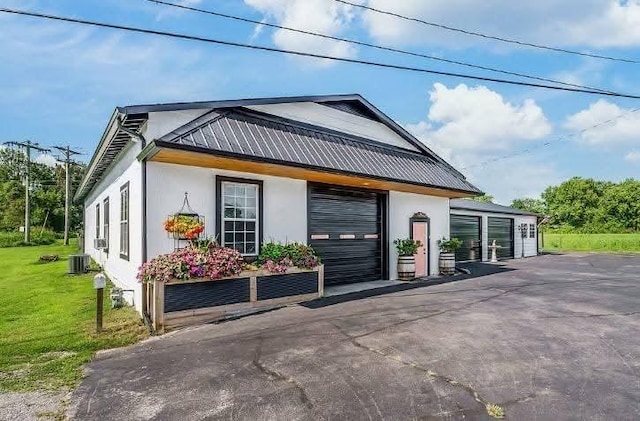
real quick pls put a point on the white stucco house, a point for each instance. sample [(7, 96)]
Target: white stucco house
[(331, 171), (478, 224)]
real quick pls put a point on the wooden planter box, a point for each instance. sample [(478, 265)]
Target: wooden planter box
[(182, 303)]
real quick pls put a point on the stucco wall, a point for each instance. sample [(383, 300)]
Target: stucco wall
[(285, 202), (530, 248), (403, 206), (122, 272)]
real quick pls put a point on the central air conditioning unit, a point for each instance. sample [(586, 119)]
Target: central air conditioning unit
[(79, 263), (100, 243)]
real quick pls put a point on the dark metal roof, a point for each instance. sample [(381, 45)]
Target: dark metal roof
[(134, 117), (252, 135), (472, 205), (352, 101)]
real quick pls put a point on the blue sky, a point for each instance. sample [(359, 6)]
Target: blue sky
[(60, 82)]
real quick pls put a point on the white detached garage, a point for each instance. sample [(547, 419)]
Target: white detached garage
[(478, 224)]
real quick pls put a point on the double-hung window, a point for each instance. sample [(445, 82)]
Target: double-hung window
[(105, 223), (532, 230), (239, 210), (124, 221), (98, 221)]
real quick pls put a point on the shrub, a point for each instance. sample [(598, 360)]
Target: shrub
[(277, 257), (16, 239), (449, 246), (192, 262), (407, 246)]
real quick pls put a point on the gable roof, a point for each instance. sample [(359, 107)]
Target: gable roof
[(247, 134), (472, 205), (130, 119)]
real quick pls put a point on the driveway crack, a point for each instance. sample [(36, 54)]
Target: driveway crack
[(279, 376), (430, 373)]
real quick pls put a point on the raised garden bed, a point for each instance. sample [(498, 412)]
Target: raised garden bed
[(180, 303)]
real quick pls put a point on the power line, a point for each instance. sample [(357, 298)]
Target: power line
[(312, 55), (366, 44), (552, 142), (27, 146), (67, 161), (493, 37)]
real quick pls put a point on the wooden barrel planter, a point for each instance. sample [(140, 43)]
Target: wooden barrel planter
[(406, 268), (447, 264)]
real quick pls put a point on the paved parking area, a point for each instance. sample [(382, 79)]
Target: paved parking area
[(556, 337)]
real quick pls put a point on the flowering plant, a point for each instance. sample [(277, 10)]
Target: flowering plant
[(277, 258), (187, 226), (192, 262)]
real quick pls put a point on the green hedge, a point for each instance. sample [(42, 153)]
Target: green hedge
[(593, 242), (16, 239)]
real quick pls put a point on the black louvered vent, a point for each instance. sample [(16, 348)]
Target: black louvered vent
[(277, 286), (205, 294)]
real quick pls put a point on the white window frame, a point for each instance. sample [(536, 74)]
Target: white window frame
[(532, 230), (256, 220)]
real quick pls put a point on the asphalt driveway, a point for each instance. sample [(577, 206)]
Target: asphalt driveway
[(557, 337)]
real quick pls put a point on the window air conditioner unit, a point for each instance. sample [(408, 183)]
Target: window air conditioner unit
[(100, 243)]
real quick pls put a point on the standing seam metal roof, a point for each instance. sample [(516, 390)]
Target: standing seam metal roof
[(247, 133)]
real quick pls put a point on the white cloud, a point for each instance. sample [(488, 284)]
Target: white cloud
[(614, 125), (633, 157), (470, 125), (592, 23), (46, 159), (478, 119), (325, 17)]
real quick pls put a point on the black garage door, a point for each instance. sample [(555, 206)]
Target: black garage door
[(467, 229), (501, 230), (345, 228)]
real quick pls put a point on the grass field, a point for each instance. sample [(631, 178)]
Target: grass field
[(47, 321), (626, 243)]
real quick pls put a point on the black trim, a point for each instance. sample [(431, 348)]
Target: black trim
[(98, 225), (242, 157), (106, 217), (125, 256), (426, 219), (219, 180), (504, 212)]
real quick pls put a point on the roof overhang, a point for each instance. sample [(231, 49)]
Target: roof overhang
[(172, 153), (116, 135)]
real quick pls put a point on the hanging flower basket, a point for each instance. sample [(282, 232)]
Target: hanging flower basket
[(182, 226)]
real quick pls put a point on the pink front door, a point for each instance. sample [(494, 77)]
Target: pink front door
[(419, 232)]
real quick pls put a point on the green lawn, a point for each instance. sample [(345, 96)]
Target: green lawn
[(47, 320), (624, 243)]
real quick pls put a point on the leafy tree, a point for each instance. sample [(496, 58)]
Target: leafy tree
[(620, 206), (576, 202), (530, 205), (486, 198), (47, 193)]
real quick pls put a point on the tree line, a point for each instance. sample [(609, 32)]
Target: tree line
[(585, 205), (46, 193)]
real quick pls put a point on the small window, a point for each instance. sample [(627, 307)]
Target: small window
[(124, 221), (532, 230), (98, 220), (239, 214), (105, 223)]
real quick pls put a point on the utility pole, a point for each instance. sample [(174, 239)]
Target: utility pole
[(67, 154), (27, 146)]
